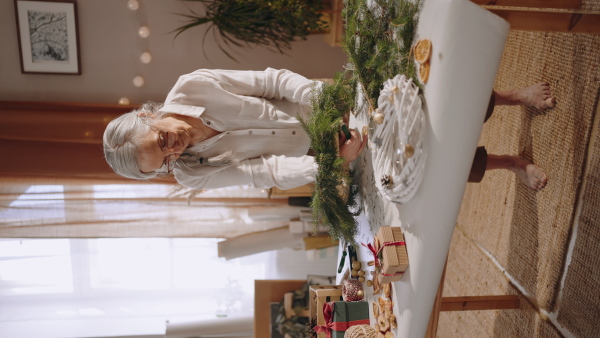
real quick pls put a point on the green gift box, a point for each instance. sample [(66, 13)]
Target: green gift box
[(346, 314)]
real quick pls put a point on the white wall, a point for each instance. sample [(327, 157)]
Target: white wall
[(110, 49), (293, 264)]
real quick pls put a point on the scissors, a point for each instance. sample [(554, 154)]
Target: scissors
[(350, 251), (343, 260), (346, 131)]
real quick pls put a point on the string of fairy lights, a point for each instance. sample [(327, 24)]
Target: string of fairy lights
[(143, 32)]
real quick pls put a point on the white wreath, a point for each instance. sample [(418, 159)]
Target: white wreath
[(398, 173)]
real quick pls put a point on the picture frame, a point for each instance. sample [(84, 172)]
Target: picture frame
[(48, 36)]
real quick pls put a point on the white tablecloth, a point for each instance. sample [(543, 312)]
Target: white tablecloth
[(467, 47)]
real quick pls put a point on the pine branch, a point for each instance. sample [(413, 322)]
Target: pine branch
[(328, 206), (378, 41)]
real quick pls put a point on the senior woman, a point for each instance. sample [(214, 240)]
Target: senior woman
[(221, 128)]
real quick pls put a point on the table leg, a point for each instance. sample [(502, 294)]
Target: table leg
[(549, 21), (475, 303), (572, 4), (471, 303), (541, 15), (437, 306)]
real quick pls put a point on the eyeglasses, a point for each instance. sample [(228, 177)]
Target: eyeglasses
[(163, 141), (169, 161)]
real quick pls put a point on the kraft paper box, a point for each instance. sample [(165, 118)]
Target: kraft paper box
[(393, 257), (346, 314), (319, 295)]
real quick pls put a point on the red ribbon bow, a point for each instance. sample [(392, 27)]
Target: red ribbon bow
[(376, 253), (328, 316), (373, 251)]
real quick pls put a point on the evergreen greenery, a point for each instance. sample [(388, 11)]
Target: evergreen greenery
[(378, 41), (247, 23), (322, 126)]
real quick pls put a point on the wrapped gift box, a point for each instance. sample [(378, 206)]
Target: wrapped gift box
[(319, 295), (344, 315), (393, 258)]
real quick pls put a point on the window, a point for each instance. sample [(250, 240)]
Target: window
[(120, 286), (128, 286)]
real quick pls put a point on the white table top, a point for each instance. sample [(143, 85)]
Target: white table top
[(467, 47)]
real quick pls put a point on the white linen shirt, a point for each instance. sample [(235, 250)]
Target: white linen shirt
[(255, 111)]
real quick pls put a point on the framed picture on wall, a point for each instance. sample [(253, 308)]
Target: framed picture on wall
[(48, 36)]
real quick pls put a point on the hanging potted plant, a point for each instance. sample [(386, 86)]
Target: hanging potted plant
[(247, 23)]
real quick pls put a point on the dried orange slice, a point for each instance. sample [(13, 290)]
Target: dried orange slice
[(422, 50), (384, 323), (393, 321), (375, 309), (424, 72)]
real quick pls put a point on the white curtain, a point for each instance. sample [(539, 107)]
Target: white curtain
[(81, 258), (75, 208), (120, 287), (132, 286)]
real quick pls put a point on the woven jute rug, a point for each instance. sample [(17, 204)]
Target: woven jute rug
[(471, 273), (579, 307), (528, 232)]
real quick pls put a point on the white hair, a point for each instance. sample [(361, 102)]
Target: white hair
[(122, 139)]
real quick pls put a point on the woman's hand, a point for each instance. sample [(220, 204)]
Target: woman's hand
[(351, 148)]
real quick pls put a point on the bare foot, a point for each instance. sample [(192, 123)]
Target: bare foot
[(537, 95), (530, 174)]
